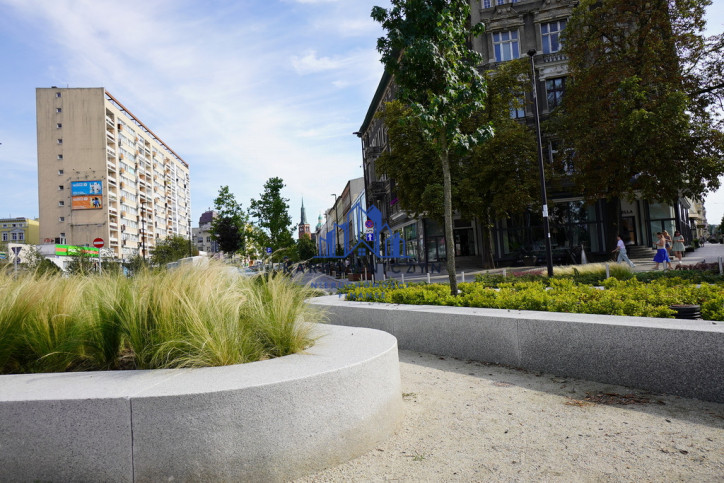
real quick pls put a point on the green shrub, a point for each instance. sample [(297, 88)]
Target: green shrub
[(630, 297)]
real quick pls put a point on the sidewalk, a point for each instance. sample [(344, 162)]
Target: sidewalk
[(468, 421)]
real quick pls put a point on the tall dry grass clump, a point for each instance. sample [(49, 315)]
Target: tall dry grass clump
[(188, 317)]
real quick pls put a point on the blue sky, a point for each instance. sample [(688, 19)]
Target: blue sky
[(243, 90)]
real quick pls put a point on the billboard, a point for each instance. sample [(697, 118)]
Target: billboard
[(74, 251), (86, 195)]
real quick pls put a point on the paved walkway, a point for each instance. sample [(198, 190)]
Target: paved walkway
[(471, 422), (710, 253)]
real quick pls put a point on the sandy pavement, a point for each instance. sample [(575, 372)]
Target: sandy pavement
[(469, 421)]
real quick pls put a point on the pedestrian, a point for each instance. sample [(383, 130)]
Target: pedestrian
[(678, 246), (621, 249), (662, 254), (702, 241), (667, 237)]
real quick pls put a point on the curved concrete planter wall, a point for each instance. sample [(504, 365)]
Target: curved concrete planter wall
[(683, 357), (265, 421)]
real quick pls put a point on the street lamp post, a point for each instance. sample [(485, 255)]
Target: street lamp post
[(544, 198), (336, 230)]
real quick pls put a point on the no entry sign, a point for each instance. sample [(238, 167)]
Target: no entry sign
[(98, 243)]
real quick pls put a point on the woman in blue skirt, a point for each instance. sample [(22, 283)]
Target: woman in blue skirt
[(662, 254)]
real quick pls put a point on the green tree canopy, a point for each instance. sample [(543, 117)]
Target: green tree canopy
[(636, 112), (426, 50), (228, 228), (172, 249), (305, 248), (271, 212)]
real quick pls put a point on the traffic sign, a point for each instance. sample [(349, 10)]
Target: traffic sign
[(369, 224), (16, 250), (268, 249), (369, 237), (98, 243)]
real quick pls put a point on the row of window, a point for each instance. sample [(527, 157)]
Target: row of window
[(490, 3), (506, 44), (14, 236)]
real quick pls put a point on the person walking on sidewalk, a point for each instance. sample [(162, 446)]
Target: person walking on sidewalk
[(621, 249), (678, 247), (662, 254)]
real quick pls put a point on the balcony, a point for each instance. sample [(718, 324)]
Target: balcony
[(378, 189), (550, 58), (111, 167)]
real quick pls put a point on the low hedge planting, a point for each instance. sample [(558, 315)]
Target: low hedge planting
[(631, 297), (597, 275)]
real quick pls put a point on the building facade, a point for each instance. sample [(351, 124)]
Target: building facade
[(19, 230), (512, 29), (103, 174), (202, 234)]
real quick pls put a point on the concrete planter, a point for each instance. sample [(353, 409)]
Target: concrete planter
[(682, 357), (273, 420)]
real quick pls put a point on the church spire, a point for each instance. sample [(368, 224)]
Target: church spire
[(304, 214)]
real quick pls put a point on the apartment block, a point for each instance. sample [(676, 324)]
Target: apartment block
[(102, 173)]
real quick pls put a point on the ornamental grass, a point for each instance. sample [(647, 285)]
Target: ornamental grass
[(188, 317)]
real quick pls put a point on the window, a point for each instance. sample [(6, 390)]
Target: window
[(554, 91), (60, 156), (505, 45), (58, 109), (15, 236), (5, 236), (60, 171), (61, 219), (21, 236), (61, 187), (60, 141), (550, 35), (57, 94), (517, 109), (61, 203), (58, 125)]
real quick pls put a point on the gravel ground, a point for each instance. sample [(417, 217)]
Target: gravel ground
[(468, 421)]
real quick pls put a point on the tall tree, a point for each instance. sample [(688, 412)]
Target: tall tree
[(496, 178), (229, 227), (170, 250), (426, 50), (636, 113), (271, 212)]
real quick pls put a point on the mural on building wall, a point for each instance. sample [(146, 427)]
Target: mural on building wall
[(361, 236)]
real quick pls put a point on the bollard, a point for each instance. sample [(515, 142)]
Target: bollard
[(720, 267), (403, 279), (463, 277), (505, 273), (428, 277), (608, 271)]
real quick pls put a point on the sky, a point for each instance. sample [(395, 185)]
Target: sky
[(242, 90)]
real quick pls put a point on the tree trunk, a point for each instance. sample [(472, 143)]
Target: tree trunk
[(449, 235), (612, 223), (489, 234)]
